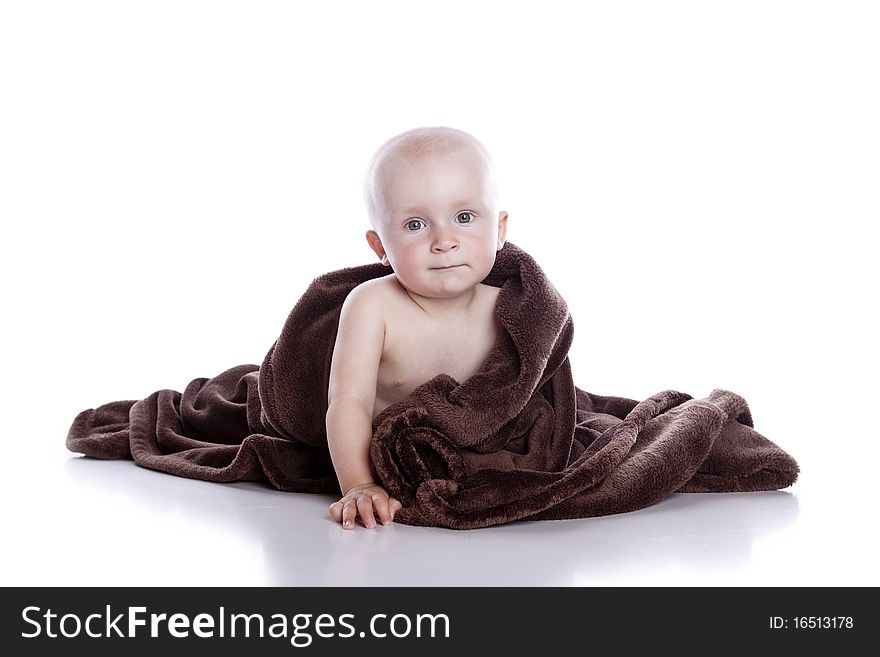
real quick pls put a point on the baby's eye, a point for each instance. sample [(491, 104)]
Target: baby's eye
[(413, 221), (468, 215)]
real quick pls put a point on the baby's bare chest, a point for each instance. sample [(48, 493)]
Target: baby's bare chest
[(418, 348)]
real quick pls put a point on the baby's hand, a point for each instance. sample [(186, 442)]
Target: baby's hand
[(362, 499)]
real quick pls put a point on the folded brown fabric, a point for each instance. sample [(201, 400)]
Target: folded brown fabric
[(517, 440)]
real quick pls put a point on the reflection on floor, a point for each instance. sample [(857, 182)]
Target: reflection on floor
[(115, 523)]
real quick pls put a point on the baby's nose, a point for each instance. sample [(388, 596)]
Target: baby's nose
[(446, 244), (444, 241)]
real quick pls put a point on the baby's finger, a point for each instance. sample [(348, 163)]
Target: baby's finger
[(365, 508), (381, 504), (395, 505), (336, 511), (349, 513)]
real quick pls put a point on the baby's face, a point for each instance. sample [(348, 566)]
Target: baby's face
[(438, 212)]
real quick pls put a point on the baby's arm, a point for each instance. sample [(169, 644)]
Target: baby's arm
[(351, 395)]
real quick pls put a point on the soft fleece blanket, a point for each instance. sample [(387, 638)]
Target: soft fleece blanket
[(518, 440)]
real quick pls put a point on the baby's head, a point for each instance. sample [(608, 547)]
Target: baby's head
[(432, 200)]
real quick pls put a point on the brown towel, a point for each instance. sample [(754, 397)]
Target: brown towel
[(515, 441)]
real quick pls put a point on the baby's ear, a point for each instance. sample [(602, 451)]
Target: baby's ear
[(376, 244), (502, 228)]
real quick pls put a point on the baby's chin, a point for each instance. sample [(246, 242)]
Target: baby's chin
[(441, 289)]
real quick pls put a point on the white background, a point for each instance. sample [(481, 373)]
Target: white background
[(698, 179)]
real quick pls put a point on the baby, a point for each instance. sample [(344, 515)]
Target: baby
[(432, 201)]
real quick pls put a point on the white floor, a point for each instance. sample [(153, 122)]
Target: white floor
[(75, 521)]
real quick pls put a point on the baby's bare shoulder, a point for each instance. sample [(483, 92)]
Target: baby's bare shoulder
[(376, 289), (377, 293), (380, 282)]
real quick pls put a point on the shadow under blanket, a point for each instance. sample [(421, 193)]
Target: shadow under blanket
[(515, 441)]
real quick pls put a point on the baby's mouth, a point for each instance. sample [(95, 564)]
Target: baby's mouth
[(447, 268)]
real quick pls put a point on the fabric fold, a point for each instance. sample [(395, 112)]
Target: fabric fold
[(517, 440)]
